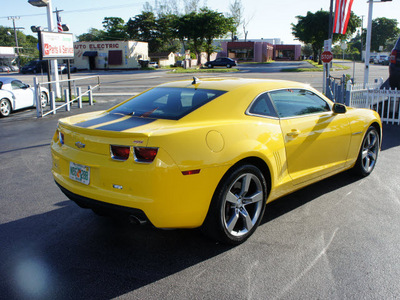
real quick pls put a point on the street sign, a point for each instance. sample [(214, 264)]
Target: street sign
[(57, 45), (326, 57)]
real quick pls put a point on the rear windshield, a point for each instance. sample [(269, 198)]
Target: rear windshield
[(167, 103)]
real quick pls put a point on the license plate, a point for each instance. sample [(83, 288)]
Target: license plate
[(79, 173)]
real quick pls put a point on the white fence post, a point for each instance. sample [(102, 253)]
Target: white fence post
[(90, 94), (79, 97), (53, 102), (37, 95), (67, 104)]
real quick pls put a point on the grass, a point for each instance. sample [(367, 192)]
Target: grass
[(85, 99), (315, 67)]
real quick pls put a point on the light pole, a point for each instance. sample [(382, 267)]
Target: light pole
[(16, 39), (368, 41), (53, 62)]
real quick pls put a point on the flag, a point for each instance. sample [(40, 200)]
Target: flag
[(59, 25), (342, 16)]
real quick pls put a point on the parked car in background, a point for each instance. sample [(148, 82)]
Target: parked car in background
[(62, 68), (386, 61), (178, 63), (14, 94), (379, 59), (153, 64), (394, 66), (221, 62), (35, 66), (372, 58), (14, 68), (4, 69)]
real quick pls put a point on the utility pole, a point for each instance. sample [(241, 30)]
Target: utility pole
[(16, 39), (368, 41)]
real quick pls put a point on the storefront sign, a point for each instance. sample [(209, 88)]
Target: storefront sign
[(57, 45), (97, 46)]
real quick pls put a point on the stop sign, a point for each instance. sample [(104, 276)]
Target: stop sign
[(326, 56)]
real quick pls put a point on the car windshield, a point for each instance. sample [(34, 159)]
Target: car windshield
[(167, 103)]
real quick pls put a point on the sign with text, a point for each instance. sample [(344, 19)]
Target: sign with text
[(326, 56), (57, 45)]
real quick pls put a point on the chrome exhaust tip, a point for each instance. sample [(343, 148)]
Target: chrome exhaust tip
[(135, 220)]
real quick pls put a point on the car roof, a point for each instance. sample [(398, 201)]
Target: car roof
[(6, 80), (230, 84)]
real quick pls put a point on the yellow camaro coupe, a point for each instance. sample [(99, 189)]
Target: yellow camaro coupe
[(210, 153)]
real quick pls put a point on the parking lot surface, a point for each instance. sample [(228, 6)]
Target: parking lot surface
[(337, 239)]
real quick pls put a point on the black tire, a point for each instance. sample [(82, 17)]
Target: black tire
[(237, 206), (5, 107), (394, 83), (209, 66), (368, 154), (228, 66)]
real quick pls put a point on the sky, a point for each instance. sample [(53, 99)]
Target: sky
[(266, 18)]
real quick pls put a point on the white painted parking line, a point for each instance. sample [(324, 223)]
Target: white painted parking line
[(114, 94)]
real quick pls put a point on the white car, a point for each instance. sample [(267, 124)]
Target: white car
[(14, 95), (153, 64)]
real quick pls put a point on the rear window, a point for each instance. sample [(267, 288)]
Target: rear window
[(167, 103)]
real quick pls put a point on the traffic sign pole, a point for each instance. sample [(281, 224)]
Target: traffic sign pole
[(326, 58)]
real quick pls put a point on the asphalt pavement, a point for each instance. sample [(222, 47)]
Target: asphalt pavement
[(337, 239)]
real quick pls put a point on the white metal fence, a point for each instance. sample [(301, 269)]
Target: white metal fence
[(94, 83), (384, 101)]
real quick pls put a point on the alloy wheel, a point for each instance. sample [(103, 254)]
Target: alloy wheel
[(243, 204), (369, 151)]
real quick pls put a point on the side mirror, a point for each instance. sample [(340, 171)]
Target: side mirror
[(339, 108)]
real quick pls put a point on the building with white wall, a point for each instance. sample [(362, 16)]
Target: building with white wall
[(108, 55)]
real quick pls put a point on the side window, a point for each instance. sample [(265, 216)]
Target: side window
[(290, 103), (263, 106), (17, 85)]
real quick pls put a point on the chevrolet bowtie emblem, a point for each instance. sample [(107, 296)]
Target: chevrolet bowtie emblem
[(80, 145)]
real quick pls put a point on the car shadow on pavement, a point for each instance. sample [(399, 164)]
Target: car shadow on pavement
[(70, 253)]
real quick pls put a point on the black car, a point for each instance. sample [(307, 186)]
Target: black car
[(394, 66), (221, 62), (35, 66)]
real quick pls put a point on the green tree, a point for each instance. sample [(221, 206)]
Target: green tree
[(314, 27), (93, 35), (189, 30), (215, 25), (383, 31), (143, 28), (115, 28), (27, 43)]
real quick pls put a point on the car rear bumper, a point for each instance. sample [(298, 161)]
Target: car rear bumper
[(108, 208), (166, 197)]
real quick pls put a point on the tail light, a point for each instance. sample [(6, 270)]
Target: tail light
[(393, 56), (61, 137), (145, 154), (120, 152)]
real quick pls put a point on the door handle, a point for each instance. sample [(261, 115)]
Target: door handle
[(293, 133)]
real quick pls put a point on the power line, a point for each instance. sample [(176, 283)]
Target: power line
[(83, 10)]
